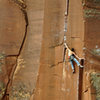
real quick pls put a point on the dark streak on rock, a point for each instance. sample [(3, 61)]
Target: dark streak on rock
[(56, 45), (53, 65), (23, 9)]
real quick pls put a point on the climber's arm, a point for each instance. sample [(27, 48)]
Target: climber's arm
[(72, 52), (66, 46), (77, 56)]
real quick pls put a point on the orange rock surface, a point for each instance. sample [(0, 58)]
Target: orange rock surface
[(32, 50)]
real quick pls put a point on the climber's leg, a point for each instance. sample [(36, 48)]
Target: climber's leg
[(78, 64), (71, 62)]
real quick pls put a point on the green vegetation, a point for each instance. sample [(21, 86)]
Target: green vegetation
[(21, 3), (94, 1), (20, 92), (92, 13), (95, 80), (2, 56), (96, 52), (2, 89)]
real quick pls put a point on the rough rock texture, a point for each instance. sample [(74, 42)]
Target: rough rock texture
[(50, 72), (91, 50), (12, 28), (21, 28), (20, 43), (95, 81), (12, 31), (75, 37), (83, 35), (24, 79)]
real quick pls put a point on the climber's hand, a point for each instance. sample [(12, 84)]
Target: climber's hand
[(65, 45)]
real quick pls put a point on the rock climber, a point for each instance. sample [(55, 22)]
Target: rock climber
[(72, 57)]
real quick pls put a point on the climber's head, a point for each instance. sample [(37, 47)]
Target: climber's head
[(72, 49)]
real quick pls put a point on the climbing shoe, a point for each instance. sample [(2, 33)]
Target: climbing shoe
[(81, 66), (73, 71)]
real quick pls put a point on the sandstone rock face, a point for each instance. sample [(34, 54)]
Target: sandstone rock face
[(25, 76), (83, 35), (12, 28), (20, 42), (12, 31), (49, 83), (75, 39), (92, 50)]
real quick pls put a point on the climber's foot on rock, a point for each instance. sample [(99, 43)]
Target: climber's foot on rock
[(73, 71), (81, 66)]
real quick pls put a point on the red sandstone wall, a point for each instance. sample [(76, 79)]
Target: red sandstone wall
[(21, 28), (21, 24), (91, 49), (49, 85), (25, 76), (75, 39), (12, 32)]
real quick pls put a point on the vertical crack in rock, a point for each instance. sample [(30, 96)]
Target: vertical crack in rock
[(9, 80), (26, 19), (22, 5)]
